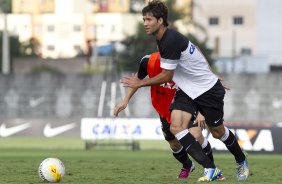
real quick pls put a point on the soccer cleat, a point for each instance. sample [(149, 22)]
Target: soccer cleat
[(184, 173), (242, 170), (210, 174)]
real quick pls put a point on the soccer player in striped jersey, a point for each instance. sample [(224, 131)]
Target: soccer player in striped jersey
[(199, 90)]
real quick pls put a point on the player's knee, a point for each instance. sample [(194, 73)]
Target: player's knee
[(217, 133), (200, 139), (198, 136), (175, 129)]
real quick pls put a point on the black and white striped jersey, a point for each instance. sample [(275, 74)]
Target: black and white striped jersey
[(192, 73)]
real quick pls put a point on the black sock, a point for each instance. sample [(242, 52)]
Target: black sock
[(183, 158), (194, 149), (208, 151), (234, 148)]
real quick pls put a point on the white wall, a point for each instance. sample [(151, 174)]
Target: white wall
[(64, 38), (73, 6), (269, 30), (18, 25), (115, 26)]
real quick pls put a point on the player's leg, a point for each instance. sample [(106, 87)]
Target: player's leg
[(211, 106), (179, 120), (197, 133), (182, 110), (177, 151), (228, 138), (181, 155)]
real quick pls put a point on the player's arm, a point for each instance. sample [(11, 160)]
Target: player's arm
[(200, 119), (163, 77), (135, 82), (123, 104), (141, 74)]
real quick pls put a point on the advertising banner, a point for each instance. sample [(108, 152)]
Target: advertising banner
[(121, 128), (252, 137)]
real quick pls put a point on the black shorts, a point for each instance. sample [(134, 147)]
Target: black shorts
[(210, 104), (166, 132)]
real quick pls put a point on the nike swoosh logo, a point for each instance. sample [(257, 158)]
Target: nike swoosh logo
[(51, 132), (5, 132), (34, 102), (215, 122)]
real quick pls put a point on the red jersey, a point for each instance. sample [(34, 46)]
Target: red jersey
[(163, 94)]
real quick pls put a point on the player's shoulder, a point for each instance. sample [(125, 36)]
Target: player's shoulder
[(173, 34)]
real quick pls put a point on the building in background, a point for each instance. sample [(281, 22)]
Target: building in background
[(121, 6), (63, 7), (63, 28), (241, 33), (244, 35), (74, 6), (268, 36), (33, 6), (229, 26), (18, 25)]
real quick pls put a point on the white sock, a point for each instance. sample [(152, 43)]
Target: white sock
[(181, 134)]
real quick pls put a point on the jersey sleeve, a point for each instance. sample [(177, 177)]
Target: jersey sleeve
[(142, 71), (170, 48)]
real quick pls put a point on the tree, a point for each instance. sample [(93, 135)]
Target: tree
[(173, 14), (17, 49), (6, 6), (31, 47), (14, 48), (136, 47)]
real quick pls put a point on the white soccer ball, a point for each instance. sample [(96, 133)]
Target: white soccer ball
[(51, 170)]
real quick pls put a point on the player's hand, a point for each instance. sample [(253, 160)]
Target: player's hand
[(224, 85), (121, 106), (200, 119), (131, 81)]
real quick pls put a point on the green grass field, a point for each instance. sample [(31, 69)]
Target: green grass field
[(20, 158)]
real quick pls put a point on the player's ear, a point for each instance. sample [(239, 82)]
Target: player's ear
[(160, 21)]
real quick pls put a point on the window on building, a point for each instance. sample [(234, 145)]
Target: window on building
[(50, 28), (76, 28), (78, 50), (213, 21), (77, 47), (238, 20), (50, 47), (246, 51)]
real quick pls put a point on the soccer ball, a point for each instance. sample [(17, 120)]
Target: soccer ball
[(51, 170)]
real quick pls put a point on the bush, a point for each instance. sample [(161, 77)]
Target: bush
[(45, 68)]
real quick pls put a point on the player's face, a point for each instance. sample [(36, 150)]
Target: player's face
[(151, 24)]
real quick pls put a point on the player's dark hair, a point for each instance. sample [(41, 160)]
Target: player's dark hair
[(158, 10)]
